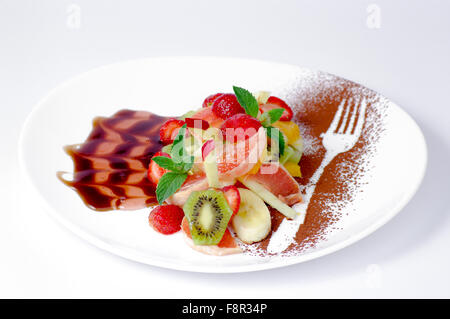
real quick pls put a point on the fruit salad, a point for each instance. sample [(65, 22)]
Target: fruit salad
[(222, 166)]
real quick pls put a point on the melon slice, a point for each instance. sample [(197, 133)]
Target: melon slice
[(276, 187), (276, 179)]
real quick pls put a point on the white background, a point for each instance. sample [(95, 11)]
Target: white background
[(406, 59)]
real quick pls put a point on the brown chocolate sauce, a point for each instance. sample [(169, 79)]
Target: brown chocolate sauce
[(110, 167)]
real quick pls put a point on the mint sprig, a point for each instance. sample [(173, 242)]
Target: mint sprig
[(169, 164), (251, 107), (178, 165), (247, 101)]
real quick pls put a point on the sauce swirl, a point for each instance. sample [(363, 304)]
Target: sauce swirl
[(110, 167)]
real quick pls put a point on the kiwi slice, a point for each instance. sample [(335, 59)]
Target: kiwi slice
[(208, 214)]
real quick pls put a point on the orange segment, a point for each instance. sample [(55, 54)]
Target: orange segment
[(289, 129), (293, 169)]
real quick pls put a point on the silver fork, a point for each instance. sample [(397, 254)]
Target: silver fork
[(342, 134)]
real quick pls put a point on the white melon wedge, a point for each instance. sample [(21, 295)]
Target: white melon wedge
[(212, 174), (210, 163), (253, 222), (262, 96), (269, 198)]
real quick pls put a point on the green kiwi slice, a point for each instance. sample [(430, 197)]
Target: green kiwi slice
[(208, 214)]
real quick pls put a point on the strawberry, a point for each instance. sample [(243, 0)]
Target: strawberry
[(196, 123), (275, 103), (240, 127), (169, 130), (233, 197), (226, 106), (155, 172), (166, 219), (210, 99)]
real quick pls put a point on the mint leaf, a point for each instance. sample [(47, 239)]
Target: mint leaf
[(169, 164), (275, 115), (178, 165), (270, 117), (247, 101), (275, 134), (165, 162), (169, 183)]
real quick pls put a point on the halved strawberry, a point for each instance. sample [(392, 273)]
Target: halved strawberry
[(240, 127), (226, 106), (166, 219), (276, 103), (196, 123), (155, 172), (233, 197), (169, 130), (210, 99)]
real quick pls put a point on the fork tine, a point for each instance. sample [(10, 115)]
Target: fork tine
[(352, 121), (337, 117), (344, 120), (361, 118)]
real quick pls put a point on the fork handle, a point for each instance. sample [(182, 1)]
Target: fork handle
[(284, 236), (311, 186)]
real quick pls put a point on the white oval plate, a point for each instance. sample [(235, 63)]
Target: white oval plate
[(171, 86)]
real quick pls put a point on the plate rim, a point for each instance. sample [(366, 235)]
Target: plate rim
[(277, 262)]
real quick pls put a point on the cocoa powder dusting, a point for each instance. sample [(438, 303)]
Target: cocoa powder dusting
[(315, 99)]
